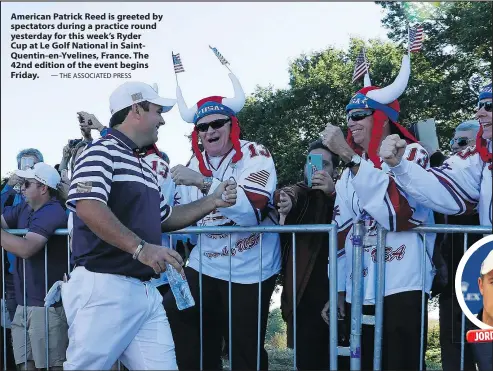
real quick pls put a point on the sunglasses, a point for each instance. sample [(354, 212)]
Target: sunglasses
[(461, 141), (486, 105), (27, 183), (216, 124), (359, 115)]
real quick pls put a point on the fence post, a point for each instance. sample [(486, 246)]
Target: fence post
[(47, 340), (230, 307), (333, 298), (4, 318), (259, 303), (357, 296), (379, 298), (201, 308), (463, 321)]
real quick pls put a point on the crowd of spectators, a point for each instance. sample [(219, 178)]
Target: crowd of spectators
[(118, 196)]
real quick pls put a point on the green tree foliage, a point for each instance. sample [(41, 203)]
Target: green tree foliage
[(457, 46), (287, 120), (275, 325)]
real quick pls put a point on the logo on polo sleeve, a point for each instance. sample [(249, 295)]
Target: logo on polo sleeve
[(84, 187)]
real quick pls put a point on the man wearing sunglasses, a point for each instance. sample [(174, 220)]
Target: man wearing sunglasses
[(366, 193), (41, 214), (465, 136), (251, 166), (463, 183)]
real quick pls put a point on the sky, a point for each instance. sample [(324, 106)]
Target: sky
[(258, 39)]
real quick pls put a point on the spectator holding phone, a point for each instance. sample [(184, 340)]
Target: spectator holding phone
[(74, 148), (302, 203), (89, 122)]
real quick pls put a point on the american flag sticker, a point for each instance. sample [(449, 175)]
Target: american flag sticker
[(260, 177), (84, 187), (137, 96)]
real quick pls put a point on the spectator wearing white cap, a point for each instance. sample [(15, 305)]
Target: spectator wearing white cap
[(482, 353), (41, 214), (485, 282), (113, 312)]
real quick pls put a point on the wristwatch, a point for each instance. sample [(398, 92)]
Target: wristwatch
[(206, 185), (355, 161)]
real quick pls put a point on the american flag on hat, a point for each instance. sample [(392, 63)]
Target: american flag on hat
[(361, 66), (177, 63), (219, 56), (416, 36)]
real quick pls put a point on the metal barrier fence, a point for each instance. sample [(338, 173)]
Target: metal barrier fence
[(357, 319)]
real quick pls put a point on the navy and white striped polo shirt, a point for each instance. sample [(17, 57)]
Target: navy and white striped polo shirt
[(111, 171)]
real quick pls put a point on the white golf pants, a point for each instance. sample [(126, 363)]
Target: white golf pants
[(112, 317)]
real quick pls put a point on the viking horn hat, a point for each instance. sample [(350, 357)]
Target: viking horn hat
[(235, 103), (390, 93), (383, 101), (211, 105)]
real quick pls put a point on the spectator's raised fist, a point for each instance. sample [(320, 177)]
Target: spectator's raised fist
[(392, 150), (333, 139)]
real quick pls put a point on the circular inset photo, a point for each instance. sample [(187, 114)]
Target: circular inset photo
[(474, 283)]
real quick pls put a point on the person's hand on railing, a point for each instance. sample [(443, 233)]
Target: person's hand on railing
[(225, 194), (156, 256), (392, 150), (285, 204)]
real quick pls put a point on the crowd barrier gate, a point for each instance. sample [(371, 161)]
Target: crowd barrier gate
[(357, 319)]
